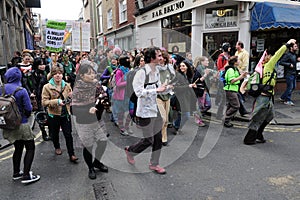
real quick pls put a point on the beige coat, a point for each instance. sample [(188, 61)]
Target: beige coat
[(50, 96)]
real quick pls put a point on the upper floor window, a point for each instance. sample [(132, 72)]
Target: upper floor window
[(100, 18), (123, 11), (109, 19)]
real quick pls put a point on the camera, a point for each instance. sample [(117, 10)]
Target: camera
[(68, 100)]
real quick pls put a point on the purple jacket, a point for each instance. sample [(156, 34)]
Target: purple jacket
[(13, 77)]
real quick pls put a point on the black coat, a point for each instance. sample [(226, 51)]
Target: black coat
[(286, 61), (185, 95)]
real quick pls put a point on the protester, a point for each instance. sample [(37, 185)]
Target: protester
[(167, 75), (289, 61), (40, 76), (185, 94), (56, 98), (231, 88), (23, 136), (263, 111), (222, 61), (150, 119), (106, 60), (202, 91), (28, 81), (17, 58), (91, 130), (120, 100), (69, 69), (243, 57)]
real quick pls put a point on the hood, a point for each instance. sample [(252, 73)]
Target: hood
[(13, 75)]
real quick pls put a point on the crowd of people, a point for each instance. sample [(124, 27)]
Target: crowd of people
[(169, 88)]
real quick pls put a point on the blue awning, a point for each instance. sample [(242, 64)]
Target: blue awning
[(274, 15)]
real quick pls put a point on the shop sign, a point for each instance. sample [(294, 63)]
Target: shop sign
[(168, 9), (221, 17)]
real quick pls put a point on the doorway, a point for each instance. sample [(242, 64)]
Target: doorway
[(212, 43)]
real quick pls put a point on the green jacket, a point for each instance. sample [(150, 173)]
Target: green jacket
[(232, 74), (269, 67)]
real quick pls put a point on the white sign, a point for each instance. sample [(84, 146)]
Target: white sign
[(81, 36), (54, 38), (260, 45)]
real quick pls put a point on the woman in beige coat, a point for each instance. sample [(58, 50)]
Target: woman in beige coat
[(56, 98)]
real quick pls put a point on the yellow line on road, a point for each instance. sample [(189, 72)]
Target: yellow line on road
[(9, 151)]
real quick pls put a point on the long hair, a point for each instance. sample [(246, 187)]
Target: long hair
[(189, 71)]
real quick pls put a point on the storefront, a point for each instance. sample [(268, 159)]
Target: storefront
[(219, 18), (177, 32), (214, 24), (273, 24)]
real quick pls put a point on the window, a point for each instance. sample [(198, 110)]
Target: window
[(109, 19), (100, 18), (123, 11)]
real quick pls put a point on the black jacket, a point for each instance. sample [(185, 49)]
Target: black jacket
[(286, 61)]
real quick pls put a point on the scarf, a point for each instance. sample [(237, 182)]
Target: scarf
[(84, 93), (124, 70)]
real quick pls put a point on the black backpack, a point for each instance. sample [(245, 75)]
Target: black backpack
[(10, 116)]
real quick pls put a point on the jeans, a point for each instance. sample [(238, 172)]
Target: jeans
[(290, 86), (151, 137), (181, 119)]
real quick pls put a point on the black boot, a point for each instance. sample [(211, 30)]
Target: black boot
[(99, 165), (260, 138), (250, 137), (92, 173), (45, 136)]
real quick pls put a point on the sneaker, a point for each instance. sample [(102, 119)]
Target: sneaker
[(130, 158), (228, 124), (92, 174), (30, 178), (124, 132), (158, 169), (281, 100), (290, 103), (200, 123), (18, 176)]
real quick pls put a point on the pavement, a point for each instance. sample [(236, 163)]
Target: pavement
[(285, 115)]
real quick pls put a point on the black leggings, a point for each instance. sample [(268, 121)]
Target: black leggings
[(88, 156), (28, 158)]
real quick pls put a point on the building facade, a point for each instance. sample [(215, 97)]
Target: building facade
[(112, 23), (201, 26), (16, 28)]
